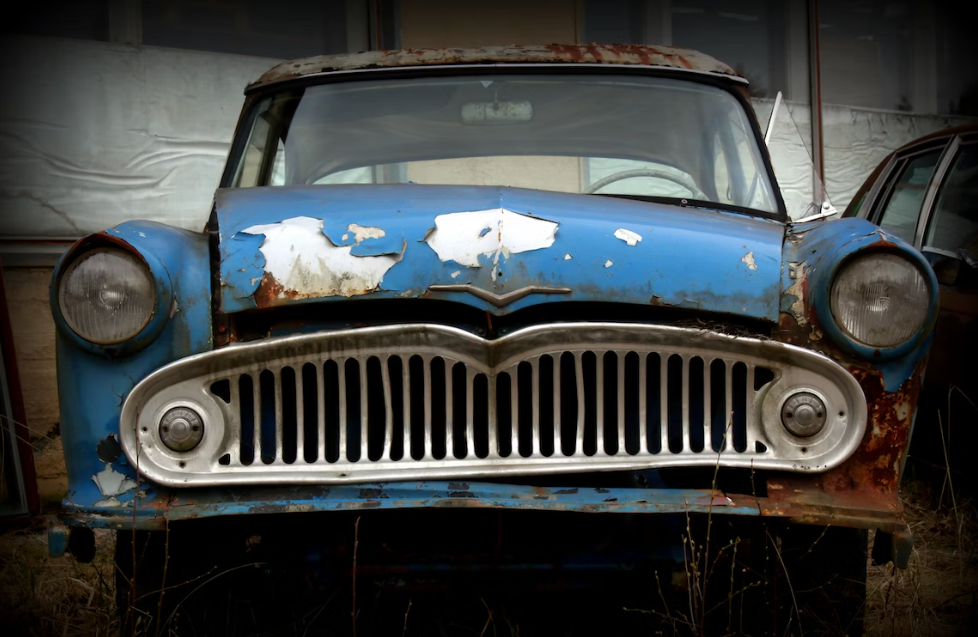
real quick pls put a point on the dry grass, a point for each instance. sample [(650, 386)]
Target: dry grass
[(936, 594), (40, 595)]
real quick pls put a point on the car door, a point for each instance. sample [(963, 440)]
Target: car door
[(947, 234)]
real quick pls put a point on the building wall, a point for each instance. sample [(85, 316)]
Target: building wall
[(33, 330)]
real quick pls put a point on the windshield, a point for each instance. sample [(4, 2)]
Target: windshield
[(656, 138)]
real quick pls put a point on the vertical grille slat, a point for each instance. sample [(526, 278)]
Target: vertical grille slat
[(426, 376), (299, 424), (234, 423), (276, 451), (685, 403), (643, 406), (599, 403), (341, 378), (449, 411), (514, 413), (579, 376), (707, 411), (493, 408), (749, 437), (364, 407), (469, 410), (728, 412), (556, 408), (406, 413), (622, 382), (535, 384), (385, 380), (663, 403)]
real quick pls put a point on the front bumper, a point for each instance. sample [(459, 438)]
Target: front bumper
[(799, 500)]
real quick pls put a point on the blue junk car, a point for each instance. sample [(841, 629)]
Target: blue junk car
[(555, 278)]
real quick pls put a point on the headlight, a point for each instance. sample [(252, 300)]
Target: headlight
[(107, 296), (880, 299)]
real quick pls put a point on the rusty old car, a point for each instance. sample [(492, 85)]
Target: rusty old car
[(437, 287)]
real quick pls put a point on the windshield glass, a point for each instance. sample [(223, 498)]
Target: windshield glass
[(622, 135)]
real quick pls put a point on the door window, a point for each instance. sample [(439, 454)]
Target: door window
[(953, 226), (901, 210)]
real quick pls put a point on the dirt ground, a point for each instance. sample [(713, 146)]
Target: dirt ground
[(936, 595)]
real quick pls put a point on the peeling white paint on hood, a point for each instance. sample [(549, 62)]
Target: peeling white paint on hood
[(111, 483), (629, 237), (749, 260), (462, 236), (798, 272), (304, 261)]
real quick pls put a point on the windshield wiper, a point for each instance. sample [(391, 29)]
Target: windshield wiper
[(676, 201), (691, 203)]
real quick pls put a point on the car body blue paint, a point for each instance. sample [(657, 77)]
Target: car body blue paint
[(171, 504), (687, 257), (823, 248), (93, 384)]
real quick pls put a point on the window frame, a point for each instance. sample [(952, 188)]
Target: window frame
[(884, 189), (881, 192), (938, 181)]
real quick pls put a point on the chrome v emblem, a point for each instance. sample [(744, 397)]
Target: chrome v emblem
[(499, 300)]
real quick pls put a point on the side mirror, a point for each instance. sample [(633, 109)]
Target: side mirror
[(947, 265)]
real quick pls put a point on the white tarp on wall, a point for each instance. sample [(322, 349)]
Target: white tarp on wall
[(854, 142), (93, 134)]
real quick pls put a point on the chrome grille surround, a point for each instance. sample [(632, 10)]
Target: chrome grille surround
[(671, 405)]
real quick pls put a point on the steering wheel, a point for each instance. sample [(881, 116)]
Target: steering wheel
[(685, 182)]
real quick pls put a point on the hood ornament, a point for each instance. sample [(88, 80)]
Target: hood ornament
[(499, 300)]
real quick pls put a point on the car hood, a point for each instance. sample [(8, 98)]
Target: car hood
[(499, 249)]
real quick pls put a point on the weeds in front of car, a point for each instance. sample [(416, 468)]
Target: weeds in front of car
[(937, 593), (41, 595)]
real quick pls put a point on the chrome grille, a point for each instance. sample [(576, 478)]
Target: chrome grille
[(432, 401), (434, 407)]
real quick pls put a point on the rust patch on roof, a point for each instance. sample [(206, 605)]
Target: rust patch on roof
[(631, 54)]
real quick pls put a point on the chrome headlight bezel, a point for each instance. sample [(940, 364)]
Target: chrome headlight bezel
[(841, 335), (161, 307)]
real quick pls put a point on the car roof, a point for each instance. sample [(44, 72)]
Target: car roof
[(964, 129), (661, 57)]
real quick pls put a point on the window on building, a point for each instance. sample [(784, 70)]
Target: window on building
[(766, 41), (957, 74), (80, 19), (867, 53), (284, 29)]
